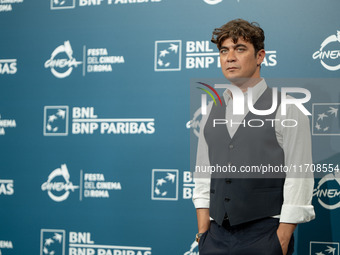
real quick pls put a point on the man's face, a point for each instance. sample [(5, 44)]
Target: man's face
[(238, 60)]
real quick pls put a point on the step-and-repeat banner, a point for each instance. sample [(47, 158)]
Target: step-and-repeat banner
[(95, 118)]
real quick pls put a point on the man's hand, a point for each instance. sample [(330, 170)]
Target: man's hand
[(203, 219), (284, 233)]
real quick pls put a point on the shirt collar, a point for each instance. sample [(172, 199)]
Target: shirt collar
[(258, 90)]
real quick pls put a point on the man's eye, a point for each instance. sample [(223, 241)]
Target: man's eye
[(223, 51), (241, 49)]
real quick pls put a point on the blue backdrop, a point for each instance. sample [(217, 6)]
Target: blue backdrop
[(94, 112)]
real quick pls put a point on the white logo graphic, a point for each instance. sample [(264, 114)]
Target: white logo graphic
[(213, 2), (6, 187), (168, 55), (188, 184), (323, 248), (193, 249), (80, 240), (59, 190), (270, 58), (238, 100), (6, 123), (8, 66), (92, 185), (164, 184), (84, 121), (96, 186), (5, 245), (55, 120), (7, 6), (238, 107), (328, 191), (201, 55), (62, 4), (330, 56), (98, 60), (195, 123), (198, 55), (62, 67), (68, 4), (95, 60), (52, 242), (326, 119)]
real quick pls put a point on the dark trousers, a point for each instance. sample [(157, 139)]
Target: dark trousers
[(253, 238)]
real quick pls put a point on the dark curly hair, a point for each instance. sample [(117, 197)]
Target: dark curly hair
[(250, 32)]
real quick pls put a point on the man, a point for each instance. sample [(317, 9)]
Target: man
[(245, 216)]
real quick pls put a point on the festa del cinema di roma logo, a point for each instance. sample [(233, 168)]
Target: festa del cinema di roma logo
[(58, 184), (329, 56), (62, 61), (212, 2), (327, 191)]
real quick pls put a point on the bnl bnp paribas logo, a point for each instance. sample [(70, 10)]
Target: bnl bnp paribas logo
[(62, 4), (70, 4), (323, 248), (329, 52), (8, 66), (198, 55), (85, 121), (326, 119), (56, 120), (165, 184), (6, 187), (52, 242)]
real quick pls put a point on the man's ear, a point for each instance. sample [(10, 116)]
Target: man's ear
[(260, 56)]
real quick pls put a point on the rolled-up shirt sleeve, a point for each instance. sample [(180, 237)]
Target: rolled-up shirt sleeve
[(201, 192), (298, 187)]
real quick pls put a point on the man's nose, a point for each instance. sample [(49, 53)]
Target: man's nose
[(231, 56)]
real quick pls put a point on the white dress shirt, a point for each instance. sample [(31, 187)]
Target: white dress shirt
[(296, 144)]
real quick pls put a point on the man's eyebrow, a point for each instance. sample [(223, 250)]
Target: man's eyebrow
[(234, 46), (240, 45)]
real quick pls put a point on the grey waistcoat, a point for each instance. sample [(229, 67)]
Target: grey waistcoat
[(244, 199)]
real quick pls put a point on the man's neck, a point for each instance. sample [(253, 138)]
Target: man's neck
[(245, 83)]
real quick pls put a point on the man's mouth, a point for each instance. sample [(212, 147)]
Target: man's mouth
[(231, 68)]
